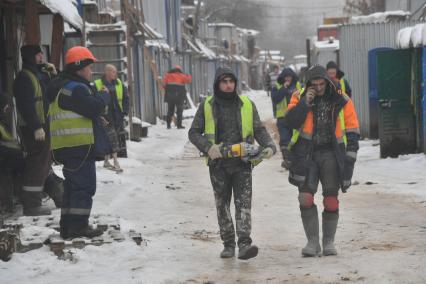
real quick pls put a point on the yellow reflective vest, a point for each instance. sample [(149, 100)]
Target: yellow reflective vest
[(281, 107), (38, 98), (68, 128), (118, 90)]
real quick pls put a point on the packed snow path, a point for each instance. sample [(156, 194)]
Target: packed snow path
[(165, 194)]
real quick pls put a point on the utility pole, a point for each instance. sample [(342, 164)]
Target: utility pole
[(129, 41), (196, 20)]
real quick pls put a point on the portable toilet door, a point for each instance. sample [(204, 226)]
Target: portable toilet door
[(396, 113), (373, 99)]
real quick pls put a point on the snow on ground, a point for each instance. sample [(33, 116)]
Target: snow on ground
[(165, 194)]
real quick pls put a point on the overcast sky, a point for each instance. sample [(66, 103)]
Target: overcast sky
[(289, 23)]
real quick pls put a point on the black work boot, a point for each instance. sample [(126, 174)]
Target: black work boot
[(311, 226), (329, 226), (228, 252), (31, 202), (247, 251), (86, 232)]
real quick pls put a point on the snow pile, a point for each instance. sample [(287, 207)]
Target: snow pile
[(380, 17), (414, 36), (402, 175), (404, 37), (67, 9)]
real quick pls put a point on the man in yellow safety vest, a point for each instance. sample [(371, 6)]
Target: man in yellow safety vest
[(222, 120)]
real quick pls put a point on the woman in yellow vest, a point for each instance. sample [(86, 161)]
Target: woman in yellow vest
[(223, 120), (77, 139), (113, 120)]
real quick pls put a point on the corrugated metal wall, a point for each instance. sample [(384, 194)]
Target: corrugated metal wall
[(355, 42), (155, 15)]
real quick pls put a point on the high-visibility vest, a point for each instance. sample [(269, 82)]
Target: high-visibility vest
[(340, 131), (343, 85), (7, 138), (118, 90), (246, 120), (67, 128), (38, 98), (281, 107)]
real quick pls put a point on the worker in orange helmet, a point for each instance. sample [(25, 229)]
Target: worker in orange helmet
[(77, 138)]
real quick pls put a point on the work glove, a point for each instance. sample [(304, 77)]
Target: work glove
[(214, 152), (267, 153), (39, 135), (51, 68), (347, 173), (310, 96), (264, 154)]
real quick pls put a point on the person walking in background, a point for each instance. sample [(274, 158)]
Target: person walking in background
[(338, 77), (175, 94), (113, 120), (287, 84)]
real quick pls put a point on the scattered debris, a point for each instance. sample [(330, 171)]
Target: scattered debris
[(37, 231)]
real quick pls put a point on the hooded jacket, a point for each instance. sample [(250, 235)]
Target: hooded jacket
[(174, 82), (278, 95), (228, 121), (24, 91), (300, 116)]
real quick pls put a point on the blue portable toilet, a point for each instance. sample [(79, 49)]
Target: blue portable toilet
[(372, 91), (424, 99)]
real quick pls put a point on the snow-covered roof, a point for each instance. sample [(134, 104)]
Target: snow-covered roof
[(67, 9), (229, 25), (331, 26), (272, 57), (300, 56), (411, 36), (119, 26), (379, 17), (194, 47), (271, 52), (326, 44), (245, 59), (248, 32), (90, 2), (152, 31), (210, 54), (158, 43)]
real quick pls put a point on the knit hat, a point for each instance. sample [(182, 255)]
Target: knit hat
[(28, 53)]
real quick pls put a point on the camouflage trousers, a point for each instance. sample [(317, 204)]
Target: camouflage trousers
[(238, 180)]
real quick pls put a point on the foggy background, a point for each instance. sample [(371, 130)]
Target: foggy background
[(287, 24), (284, 24)]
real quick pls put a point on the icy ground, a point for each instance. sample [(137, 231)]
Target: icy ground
[(165, 194)]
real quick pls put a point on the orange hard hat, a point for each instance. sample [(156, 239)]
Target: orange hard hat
[(77, 54)]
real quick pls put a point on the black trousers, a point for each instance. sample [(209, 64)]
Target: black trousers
[(171, 106)]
